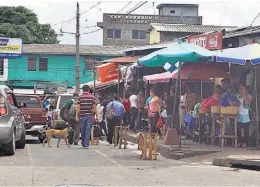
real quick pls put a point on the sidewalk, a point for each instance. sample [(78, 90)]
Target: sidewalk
[(194, 152)]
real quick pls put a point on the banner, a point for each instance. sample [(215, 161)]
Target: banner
[(10, 47), (212, 41)]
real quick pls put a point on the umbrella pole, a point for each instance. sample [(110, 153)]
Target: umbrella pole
[(257, 122), (175, 102), (201, 89)]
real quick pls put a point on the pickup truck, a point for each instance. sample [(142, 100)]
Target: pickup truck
[(34, 115)]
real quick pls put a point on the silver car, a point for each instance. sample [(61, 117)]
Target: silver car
[(12, 123)]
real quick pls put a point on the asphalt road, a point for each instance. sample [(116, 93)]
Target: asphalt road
[(104, 165)]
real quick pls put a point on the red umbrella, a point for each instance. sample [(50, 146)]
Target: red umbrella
[(200, 72)]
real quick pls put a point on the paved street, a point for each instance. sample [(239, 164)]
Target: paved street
[(105, 165)]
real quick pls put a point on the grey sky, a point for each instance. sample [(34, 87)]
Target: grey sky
[(228, 12)]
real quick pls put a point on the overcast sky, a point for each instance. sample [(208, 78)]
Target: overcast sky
[(227, 12)]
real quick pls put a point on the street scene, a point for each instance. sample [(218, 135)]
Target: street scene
[(129, 93)]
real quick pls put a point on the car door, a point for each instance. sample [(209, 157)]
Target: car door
[(17, 114)]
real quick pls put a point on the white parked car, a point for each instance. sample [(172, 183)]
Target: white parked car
[(61, 101)]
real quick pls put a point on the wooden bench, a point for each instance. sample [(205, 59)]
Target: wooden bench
[(121, 132), (152, 145)]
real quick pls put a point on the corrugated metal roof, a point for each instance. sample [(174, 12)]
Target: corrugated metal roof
[(242, 31), (161, 27), (71, 49), (124, 60)]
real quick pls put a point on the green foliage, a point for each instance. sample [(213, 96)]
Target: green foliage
[(20, 22)]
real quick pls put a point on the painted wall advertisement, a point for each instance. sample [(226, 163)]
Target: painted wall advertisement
[(10, 47), (212, 41)]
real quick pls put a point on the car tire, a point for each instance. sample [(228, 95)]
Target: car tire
[(21, 143), (9, 148)]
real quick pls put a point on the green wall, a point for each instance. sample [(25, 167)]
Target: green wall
[(60, 68)]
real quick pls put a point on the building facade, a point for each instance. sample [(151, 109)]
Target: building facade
[(131, 29), (160, 32), (54, 63)]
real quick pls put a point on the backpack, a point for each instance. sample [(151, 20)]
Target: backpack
[(72, 111), (110, 112)]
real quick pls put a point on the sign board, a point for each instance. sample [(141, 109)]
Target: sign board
[(107, 72), (211, 41), (10, 47)]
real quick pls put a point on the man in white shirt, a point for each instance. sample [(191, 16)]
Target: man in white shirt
[(134, 109)]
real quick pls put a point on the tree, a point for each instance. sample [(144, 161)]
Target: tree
[(20, 22)]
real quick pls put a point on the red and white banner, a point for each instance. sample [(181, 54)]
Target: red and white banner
[(211, 41)]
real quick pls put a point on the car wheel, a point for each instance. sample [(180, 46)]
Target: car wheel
[(21, 143), (9, 148)]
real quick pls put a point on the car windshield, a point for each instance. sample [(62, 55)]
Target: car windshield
[(30, 101), (64, 99)]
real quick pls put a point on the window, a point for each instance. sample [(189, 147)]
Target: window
[(1, 66), (31, 64), (43, 64), (113, 33), (172, 11), (138, 34)]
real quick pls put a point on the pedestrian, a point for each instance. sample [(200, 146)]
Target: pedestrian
[(127, 114), (169, 103), (141, 106), (243, 115), (73, 123), (87, 109), (101, 117), (116, 120), (134, 109), (154, 110)]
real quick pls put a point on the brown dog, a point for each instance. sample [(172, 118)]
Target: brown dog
[(60, 134)]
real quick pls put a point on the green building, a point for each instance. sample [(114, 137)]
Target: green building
[(54, 63)]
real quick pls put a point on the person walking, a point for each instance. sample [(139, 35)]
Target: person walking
[(116, 120), (87, 109), (127, 114), (101, 117), (75, 125), (134, 109)]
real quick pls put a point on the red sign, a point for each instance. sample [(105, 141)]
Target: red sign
[(211, 41), (107, 72)]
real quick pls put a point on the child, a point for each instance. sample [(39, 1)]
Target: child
[(101, 117)]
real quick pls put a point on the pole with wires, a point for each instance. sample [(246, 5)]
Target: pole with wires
[(77, 90)]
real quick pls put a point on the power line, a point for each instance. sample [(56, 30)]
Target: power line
[(129, 12), (69, 20), (138, 4), (124, 7)]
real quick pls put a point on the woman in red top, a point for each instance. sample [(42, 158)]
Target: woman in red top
[(127, 114)]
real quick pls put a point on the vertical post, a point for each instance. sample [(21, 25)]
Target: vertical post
[(118, 79), (77, 51), (257, 120), (94, 78)]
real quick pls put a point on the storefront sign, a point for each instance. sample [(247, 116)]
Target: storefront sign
[(107, 72), (10, 47), (211, 41)]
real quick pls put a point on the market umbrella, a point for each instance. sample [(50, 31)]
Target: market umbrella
[(242, 55), (176, 55), (177, 52), (200, 72)]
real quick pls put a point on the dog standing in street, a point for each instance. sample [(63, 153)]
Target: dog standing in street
[(60, 134)]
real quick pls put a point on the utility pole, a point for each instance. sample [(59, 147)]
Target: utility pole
[(77, 90)]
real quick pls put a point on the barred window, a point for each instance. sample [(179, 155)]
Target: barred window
[(31, 64), (43, 64)]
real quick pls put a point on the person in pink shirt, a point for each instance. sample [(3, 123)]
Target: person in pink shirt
[(154, 109)]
